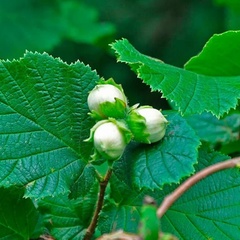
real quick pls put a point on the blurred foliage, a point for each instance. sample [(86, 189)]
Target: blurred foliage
[(234, 4), (170, 30), (40, 25)]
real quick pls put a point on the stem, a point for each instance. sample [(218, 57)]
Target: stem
[(46, 237), (93, 224), (172, 197)]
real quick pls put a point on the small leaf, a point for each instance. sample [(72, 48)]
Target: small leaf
[(191, 92), (68, 219), (168, 161), (18, 217), (211, 208), (43, 109)]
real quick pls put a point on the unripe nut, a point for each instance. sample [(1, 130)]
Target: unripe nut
[(107, 100), (147, 124), (109, 141)]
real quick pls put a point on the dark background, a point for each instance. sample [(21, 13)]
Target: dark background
[(171, 30)]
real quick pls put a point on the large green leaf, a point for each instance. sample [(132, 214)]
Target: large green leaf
[(18, 216), (41, 25), (190, 91), (152, 166), (214, 130), (208, 210), (68, 219), (43, 123), (211, 208)]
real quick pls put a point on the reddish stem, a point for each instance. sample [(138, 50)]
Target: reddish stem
[(172, 197), (93, 224)]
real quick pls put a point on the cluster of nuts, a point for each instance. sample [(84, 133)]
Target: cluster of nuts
[(118, 124)]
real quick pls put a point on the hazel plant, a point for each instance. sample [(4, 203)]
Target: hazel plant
[(117, 123), (147, 124), (110, 137), (107, 99)]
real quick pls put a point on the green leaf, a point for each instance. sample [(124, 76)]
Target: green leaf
[(219, 57), (168, 161), (41, 25), (211, 208), (18, 217), (214, 130), (190, 91), (68, 219), (43, 123), (208, 210)]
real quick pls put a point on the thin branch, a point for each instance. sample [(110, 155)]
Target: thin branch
[(172, 197), (46, 237), (93, 224)]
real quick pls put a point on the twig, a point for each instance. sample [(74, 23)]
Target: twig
[(172, 197), (46, 237), (93, 224)]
